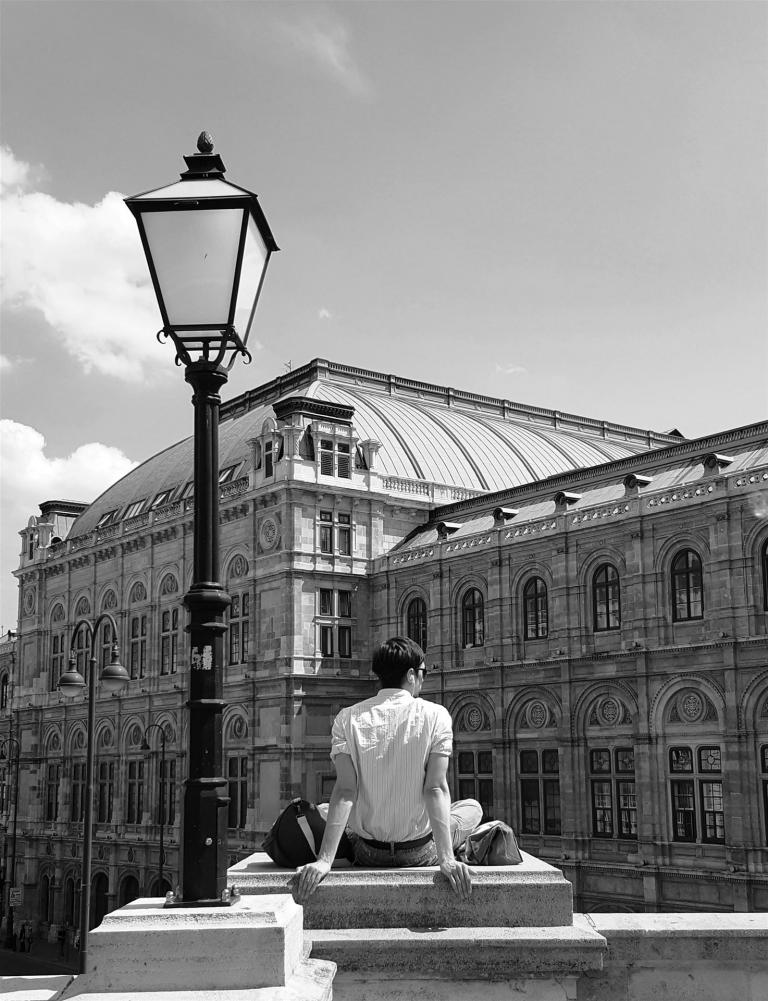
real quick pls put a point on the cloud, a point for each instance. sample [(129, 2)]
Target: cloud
[(324, 314), (5, 363), (325, 39), (510, 369), (30, 477), (83, 268)]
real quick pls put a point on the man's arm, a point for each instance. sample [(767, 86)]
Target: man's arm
[(343, 799), (437, 800)]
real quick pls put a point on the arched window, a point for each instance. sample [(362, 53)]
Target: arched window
[(764, 565), (606, 608), (416, 622), (472, 619), (687, 590), (535, 609), (239, 615)]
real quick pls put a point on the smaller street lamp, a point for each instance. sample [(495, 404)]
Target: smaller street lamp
[(5, 755), (113, 678), (161, 794)]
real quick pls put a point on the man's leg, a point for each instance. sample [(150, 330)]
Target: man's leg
[(466, 815)]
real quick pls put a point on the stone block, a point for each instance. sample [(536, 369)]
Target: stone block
[(257, 942), (532, 894)]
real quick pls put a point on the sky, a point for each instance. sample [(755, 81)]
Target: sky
[(558, 203)]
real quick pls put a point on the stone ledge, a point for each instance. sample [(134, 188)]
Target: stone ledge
[(462, 953), (532, 894), (684, 936)]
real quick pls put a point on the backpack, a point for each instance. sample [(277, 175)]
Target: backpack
[(492, 843), (295, 837)]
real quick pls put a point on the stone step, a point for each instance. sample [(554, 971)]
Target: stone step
[(532, 894), (449, 954)]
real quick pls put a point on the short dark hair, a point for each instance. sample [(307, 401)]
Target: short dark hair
[(394, 659)]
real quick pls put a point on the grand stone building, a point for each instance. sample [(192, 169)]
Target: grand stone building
[(592, 599)]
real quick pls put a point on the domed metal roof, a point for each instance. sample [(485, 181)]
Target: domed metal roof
[(427, 433)]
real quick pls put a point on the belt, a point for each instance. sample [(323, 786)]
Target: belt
[(397, 846)]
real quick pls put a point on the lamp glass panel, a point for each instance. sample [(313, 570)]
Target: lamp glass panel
[(194, 253), (204, 187), (254, 262)]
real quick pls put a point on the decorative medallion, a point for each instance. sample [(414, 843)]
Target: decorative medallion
[(764, 710), (690, 706), (135, 736), (537, 714), (474, 718), (83, 607), (79, 739), (105, 738), (170, 585), (54, 744), (110, 600), (239, 567), (268, 533), (239, 728), (131, 855), (58, 614), (138, 593), (30, 600), (609, 711)]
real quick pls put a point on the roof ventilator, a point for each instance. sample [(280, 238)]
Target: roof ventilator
[(446, 528), (501, 515)]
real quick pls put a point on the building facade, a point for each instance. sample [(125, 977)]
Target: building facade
[(589, 595)]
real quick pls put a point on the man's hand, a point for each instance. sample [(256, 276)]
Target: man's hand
[(308, 878), (459, 876)]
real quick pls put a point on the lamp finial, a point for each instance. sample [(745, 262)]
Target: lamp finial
[(205, 142)]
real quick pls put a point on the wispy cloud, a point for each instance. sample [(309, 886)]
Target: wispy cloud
[(510, 369), (324, 314), (82, 267), (5, 363), (325, 38), (31, 476)]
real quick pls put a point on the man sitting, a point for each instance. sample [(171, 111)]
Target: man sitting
[(391, 754)]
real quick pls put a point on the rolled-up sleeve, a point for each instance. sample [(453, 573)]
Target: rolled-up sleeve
[(442, 736), (339, 736)]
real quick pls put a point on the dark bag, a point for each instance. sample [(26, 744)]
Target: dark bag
[(295, 837), (492, 843)]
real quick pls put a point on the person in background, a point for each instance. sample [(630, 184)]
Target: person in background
[(391, 794)]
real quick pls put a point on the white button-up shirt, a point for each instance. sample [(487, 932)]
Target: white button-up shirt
[(389, 738)]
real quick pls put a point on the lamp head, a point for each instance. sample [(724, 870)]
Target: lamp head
[(114, 676)]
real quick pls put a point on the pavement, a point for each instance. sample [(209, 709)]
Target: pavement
[(43, 960)]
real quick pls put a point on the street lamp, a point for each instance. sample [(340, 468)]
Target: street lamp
[(161, 796), (5, 755), (71, 683), (207, 245)]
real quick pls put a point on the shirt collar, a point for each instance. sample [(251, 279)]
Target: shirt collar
[(394, 693)]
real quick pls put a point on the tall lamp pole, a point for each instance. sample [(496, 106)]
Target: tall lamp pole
[(207, 244), (161, 794), (12, 881), (71, 683)]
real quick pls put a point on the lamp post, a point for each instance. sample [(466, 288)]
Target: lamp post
[(161, 795), (5, 752), (207, 244), (71, 683)]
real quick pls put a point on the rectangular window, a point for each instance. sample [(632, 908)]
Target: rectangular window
[(326, 457), (237, 776), (269, 467), (77, 802), (614, 803), (326, 641), (345, 604), (53, 779), (106, 644), (697, 796), (540, 791), (167, 793), (326, 539), (3, 790), (169, 641), (105, 794), (335, 526), (57, 661), (343, 467), (344, 534), (475, 778), (345, 641), (326, 601), (531, 807), (239, 628), (135, 792), (138, 646)]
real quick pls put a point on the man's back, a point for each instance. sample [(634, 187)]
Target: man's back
[(389, 738)]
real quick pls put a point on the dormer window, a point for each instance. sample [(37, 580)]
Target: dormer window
[(335, 458), (134, 509), (163, 497), (106, 519), (227, 475)]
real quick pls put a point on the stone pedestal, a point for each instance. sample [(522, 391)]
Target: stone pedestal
[(255, 946)]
